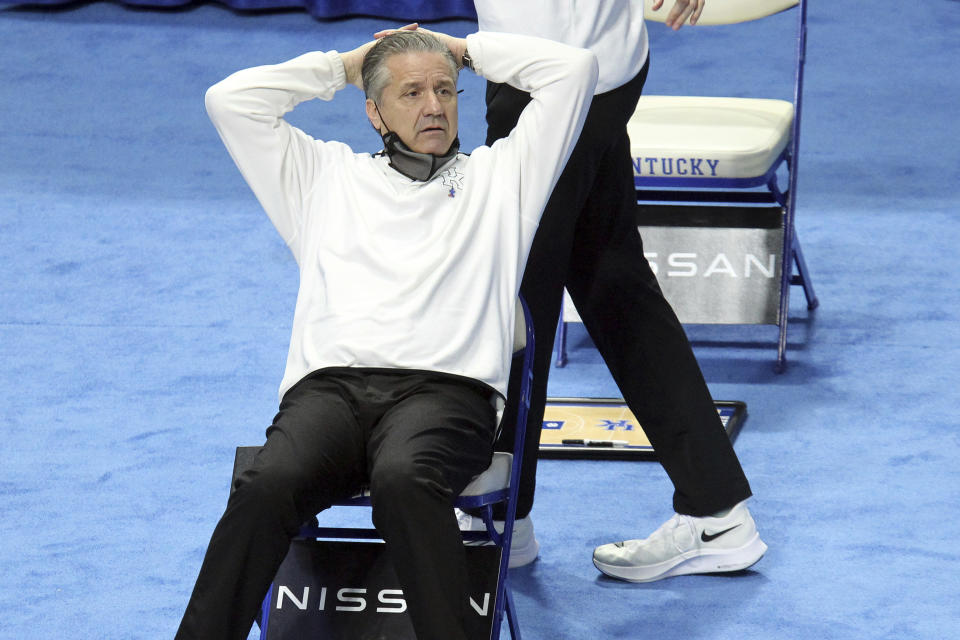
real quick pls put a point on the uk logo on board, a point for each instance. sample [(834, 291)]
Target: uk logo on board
[(613, 425)]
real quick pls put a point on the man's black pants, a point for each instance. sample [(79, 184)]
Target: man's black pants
[(417, 438), (588, 241)]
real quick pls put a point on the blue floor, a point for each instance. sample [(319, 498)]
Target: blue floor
[(145, 306)]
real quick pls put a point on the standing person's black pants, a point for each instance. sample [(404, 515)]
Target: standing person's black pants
[(588, 241), (417, 437)]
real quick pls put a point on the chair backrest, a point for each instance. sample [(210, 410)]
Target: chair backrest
[(724, 11)]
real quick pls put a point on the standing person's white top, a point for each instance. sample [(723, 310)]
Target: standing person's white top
[(613, 29), (397, 273)]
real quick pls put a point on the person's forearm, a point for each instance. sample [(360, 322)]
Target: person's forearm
[(532, 64), (277, 160), (273, 90), (561, 80)]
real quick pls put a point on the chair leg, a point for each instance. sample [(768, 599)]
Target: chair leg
[(786, 281), (495, 630), (781, 365), (512, 621), (804, 275), (504, 604), (802, 278)]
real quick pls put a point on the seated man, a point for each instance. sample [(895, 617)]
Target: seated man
[(410, 262)]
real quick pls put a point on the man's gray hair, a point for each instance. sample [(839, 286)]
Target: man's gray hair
[(376, 75)]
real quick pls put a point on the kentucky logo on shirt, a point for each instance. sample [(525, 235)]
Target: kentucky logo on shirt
[(453, 179)]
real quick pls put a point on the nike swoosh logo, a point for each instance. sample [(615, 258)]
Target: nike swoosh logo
[(707, 537)]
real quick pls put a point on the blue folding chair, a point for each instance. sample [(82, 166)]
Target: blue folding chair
[(491, 487), (697, 158)]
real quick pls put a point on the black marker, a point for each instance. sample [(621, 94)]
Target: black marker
[(596, 443)]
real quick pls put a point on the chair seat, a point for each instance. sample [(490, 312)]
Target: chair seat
[(703, 138), (496, 477)]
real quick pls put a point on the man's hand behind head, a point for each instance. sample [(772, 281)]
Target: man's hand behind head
[(353, 63), (457, 46)]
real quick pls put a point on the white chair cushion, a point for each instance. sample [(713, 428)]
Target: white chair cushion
[(695, 137), (724, 11), (519, 328), (496, 477)]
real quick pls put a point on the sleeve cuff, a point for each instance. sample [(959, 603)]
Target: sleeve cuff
[(339, 73), (475, 49)]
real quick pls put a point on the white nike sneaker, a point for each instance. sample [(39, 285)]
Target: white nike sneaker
[(524, 546), (684, 545)]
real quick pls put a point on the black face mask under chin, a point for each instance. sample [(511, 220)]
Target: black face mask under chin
[(414, 165)]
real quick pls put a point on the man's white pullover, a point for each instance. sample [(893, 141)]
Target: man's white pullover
[(396, 273)]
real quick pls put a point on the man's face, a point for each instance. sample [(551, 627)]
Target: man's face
[(420, 103)]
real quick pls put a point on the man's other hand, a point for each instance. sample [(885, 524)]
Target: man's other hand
[(682, 11)]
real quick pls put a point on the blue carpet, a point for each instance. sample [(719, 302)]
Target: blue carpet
[(145, 305)]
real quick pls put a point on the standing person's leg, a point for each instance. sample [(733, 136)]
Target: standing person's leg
[(436, 437), (613, 286), (647, 351), (645, 346), (314, 454)]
